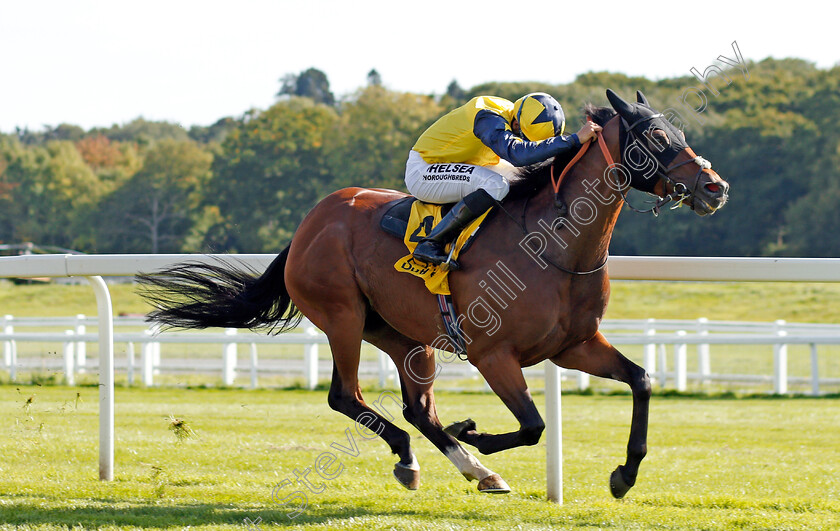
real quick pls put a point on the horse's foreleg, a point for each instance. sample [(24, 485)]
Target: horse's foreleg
[(416, 365), (598, 358), (504, 375)]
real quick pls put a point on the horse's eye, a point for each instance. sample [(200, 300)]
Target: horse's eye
[(659, 139)]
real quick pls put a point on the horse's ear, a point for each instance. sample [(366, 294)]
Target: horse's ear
[(622, 107), (641, 98)]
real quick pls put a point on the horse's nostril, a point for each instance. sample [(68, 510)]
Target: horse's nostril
[(713, 187)]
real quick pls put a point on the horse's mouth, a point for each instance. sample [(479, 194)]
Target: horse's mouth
[(703, 206)]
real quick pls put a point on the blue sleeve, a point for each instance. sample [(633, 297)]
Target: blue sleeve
[(493, 131)]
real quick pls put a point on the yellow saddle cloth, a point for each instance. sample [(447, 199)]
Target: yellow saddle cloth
[(423, 217)]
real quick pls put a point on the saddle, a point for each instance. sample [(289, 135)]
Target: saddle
[(411, 220), (398, 222), (395, 220), (398, 212)]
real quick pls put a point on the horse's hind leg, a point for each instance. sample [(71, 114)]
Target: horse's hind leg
[(598, 358), (345, 396), (332, 301), (416, 365)]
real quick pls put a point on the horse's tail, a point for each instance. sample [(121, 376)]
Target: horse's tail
[(226, 294)]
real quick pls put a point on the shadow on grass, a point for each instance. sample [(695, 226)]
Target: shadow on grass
[(139, 516)]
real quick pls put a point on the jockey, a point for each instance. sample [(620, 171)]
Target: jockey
[(466, 155)]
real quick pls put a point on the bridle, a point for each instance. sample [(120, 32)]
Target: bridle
[(680, 192)]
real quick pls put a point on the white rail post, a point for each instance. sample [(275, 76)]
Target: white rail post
[(105, 314), (393, 373), (13, 365), (310, 357), (553, 434), (780, 361), (155, 352), (229, 359), (583, 381), (663, 365), (253, 365), (81, 346), (10, 347), (680, 369), (7, 345), (383, 368), (69, 373), (649, 360), (815, 371), (703, 361), (147, 360), (130, 363)]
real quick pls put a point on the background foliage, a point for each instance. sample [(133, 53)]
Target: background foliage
[(244, 183)]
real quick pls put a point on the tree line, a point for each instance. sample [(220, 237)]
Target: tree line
[(244, 183)]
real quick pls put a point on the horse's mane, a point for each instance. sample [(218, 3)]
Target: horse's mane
[(531, 179), (599, 115)]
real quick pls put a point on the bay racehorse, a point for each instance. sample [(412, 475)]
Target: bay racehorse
[(533, 287)]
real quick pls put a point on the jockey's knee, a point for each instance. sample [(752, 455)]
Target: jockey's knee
[(497, 188), (479, 201)]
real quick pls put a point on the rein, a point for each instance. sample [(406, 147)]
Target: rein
[(581, 152)]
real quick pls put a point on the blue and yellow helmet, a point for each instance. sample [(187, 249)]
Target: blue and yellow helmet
[(539, 115)]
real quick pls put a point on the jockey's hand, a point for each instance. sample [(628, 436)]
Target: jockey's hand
[(588, 132)]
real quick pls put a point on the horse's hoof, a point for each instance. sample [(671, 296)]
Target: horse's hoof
[(408, 478), (618, 486), (457, 428), (493, 484)]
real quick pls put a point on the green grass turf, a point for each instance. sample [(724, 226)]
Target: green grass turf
[(713, 463)]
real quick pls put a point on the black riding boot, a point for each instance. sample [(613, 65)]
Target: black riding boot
[(431, 248)]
